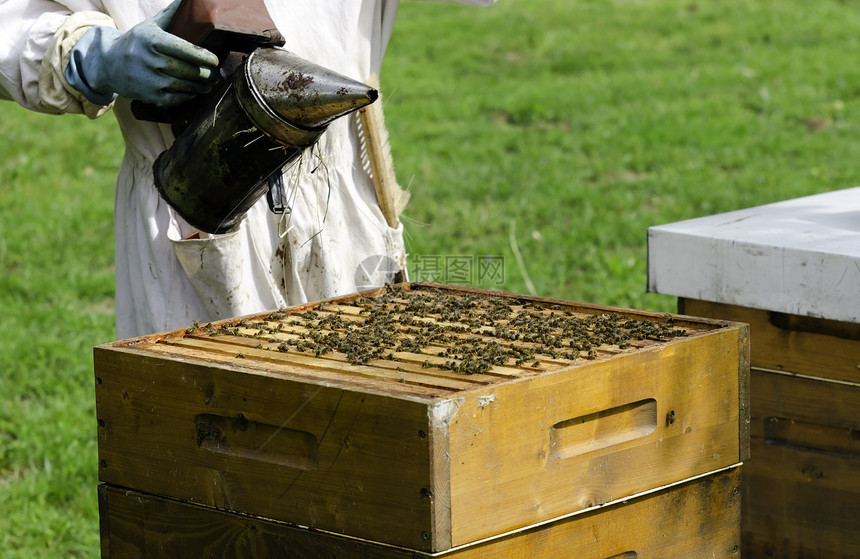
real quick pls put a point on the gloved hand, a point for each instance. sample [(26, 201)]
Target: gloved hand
[(146, 63)]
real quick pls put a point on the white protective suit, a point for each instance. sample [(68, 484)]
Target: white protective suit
[(164, 280)]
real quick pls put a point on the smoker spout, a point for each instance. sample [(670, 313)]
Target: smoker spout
[(302, 93)]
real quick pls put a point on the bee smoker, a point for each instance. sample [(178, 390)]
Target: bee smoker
[(271, 105)]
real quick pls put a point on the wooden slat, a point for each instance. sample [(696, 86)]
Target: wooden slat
[(306, 324), (316, 363), (301, 322), (802, 484), (404, 361), (429, 353), (354, 312), (692, 322), (823, 348), (696, 519), (370, 384), (297, 328)]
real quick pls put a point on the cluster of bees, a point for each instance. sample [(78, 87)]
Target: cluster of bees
[(471, 333)]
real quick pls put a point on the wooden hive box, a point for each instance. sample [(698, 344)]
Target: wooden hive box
[(424, 416), (699, 517), (802, 485), (791, 270)]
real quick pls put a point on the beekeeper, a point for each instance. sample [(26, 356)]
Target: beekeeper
[(88, 56)]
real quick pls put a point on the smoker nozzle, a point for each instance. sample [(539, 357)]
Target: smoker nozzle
[(304, 94)]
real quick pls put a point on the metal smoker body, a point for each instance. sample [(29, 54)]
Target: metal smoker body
[(232, 143)]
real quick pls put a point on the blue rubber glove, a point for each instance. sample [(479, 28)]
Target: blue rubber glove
[(146, 63)]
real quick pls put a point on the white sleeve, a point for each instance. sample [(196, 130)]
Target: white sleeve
[(35, 39)]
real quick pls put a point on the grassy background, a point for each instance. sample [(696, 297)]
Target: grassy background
[(585, 122), (562, 128)]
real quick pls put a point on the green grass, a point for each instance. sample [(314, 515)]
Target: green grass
[(585, 122), (56, 300), (573, 125)]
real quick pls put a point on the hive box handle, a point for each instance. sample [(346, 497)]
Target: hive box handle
[(587, 433), (834, 440), (242, 438)]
